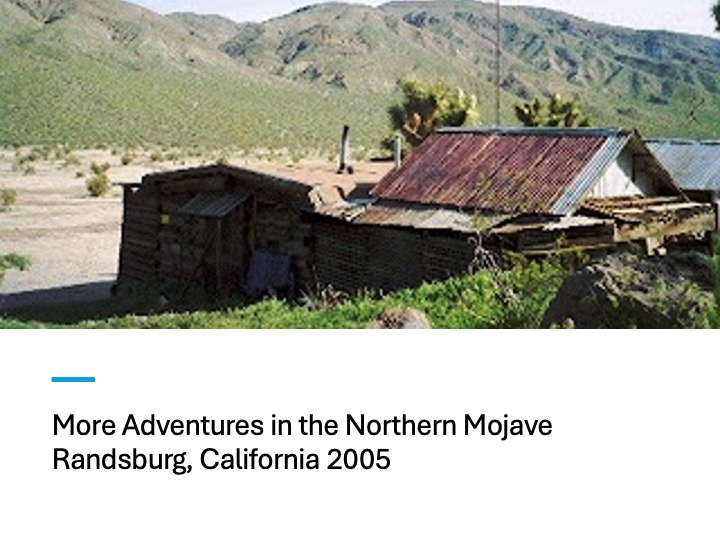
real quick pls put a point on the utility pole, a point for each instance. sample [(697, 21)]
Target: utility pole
[(498, 46)]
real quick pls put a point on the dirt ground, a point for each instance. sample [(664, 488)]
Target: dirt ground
[(73, 240)]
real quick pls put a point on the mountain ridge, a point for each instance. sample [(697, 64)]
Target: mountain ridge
[(325, 64)]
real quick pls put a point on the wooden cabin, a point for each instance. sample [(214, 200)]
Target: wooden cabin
[(222, 229), (228, 230), (528, 190)]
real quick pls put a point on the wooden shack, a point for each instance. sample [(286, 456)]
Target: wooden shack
[(222, 229), (228, 230), (531, 191)]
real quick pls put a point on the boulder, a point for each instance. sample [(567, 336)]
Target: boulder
[(401, 319), (627, 291)]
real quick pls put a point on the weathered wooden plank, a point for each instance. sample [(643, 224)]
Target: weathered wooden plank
[(137, 213), (128, 250), (137, 265), (141, 242), (139, 231)]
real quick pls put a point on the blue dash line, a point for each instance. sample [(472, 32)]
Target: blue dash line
[(74, 379)]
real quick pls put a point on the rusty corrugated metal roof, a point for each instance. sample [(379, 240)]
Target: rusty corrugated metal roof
[(527, 170), (213, 205), (695, 165)]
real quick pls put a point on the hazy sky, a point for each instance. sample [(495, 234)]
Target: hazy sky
[(691, 16)]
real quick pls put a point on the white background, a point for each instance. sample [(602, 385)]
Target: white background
[(634, 454)]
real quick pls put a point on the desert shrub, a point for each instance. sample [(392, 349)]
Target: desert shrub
[(127, 158), (71, 161), (12, 261), (8, 197), (98, 169), (98, 185), (34, 155)]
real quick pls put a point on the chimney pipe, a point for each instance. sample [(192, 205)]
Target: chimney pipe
[(344, 150), (398, 150)]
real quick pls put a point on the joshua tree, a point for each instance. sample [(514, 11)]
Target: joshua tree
[(425, 108), (558, 112)]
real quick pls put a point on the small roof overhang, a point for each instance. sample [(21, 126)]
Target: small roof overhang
[(214, 205)]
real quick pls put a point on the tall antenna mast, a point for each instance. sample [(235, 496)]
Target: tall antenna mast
[(498, 45)]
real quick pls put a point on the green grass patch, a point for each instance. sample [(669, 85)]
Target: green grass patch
[(12, 261), (515, 298)]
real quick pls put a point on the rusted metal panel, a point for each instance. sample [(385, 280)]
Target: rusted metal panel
[(507, 170), (695, 165)]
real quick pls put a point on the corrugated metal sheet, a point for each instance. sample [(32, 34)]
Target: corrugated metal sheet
[(590, 174), (695, 165), (413, 216), (428, 219), (213, 205), (545, 171)]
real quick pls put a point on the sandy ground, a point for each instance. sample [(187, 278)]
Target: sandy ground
[(72, 239)]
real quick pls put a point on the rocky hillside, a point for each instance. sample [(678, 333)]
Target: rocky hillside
[(92, 71), (661, 81)]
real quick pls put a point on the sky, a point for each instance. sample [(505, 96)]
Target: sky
[(689, 16)]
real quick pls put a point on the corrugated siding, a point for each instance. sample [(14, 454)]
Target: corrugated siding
[(695, 165), (418, 218), (504, 171), (590, 174)]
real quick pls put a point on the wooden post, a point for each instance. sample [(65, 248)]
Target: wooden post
[(344, 149), (249, 226), (398, 150)]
